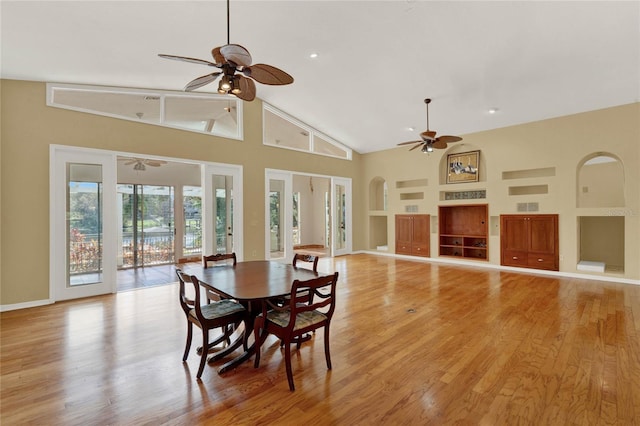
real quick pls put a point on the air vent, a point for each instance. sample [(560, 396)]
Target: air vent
[(152, 98), (528, 207)]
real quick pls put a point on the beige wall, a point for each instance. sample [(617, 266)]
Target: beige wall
[(562, 143), (29, 127)]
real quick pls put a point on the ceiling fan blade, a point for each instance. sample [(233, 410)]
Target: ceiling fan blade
[(201, 81), (267, 74), (153, 163), (410, 142), (428, 134), (217, 56), (236, 54), (439, 144), (130, 162), (417, 146), (186, 59), (247, 89), (449, 139)]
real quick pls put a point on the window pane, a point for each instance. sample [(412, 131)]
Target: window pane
[(322, 146), (215, 116), (134, 106), (283, 133)]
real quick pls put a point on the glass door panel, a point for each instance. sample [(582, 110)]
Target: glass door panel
[(223, 187), (192, 217), (84, 224), (278, 216), (341, 216)]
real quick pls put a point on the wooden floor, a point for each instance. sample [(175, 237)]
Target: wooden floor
[(412, 343)]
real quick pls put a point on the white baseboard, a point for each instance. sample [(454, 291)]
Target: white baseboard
[(506, 268), (32, 304)]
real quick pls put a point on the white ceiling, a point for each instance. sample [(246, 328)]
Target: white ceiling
[(377, 60)]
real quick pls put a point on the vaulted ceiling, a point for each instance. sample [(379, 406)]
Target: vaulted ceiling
[(377, 60)]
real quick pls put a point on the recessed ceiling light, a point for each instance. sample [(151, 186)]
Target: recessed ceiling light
[(313, 55), (493, 110)]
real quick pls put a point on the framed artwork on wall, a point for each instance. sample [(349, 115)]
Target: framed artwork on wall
[(463, 167)]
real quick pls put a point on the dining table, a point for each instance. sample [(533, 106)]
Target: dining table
[(251, 283)]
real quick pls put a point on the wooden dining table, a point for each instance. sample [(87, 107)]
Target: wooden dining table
[(250, 283)]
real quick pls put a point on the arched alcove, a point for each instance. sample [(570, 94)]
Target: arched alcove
[(600, 178), (378, 194)]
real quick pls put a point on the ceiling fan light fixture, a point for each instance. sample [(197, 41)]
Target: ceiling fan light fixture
[(139, 166), (427, 148)]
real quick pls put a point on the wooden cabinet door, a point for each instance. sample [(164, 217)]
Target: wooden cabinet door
[(404, 232), (543, 234), (421, 235), (514, 233)]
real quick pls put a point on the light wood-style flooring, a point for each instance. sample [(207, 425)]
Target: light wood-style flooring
[(411, 343)]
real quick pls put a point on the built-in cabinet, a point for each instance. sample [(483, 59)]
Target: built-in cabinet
[(529, 241), (463, 231), (412, 234)]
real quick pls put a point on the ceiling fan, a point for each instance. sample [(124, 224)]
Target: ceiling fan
[(429, 140), (238, 75), (140, 164)]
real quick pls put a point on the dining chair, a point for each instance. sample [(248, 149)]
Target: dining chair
[(301, 316), (218, 314), (306, 258)]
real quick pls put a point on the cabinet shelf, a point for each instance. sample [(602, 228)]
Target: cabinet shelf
[(463, 231)]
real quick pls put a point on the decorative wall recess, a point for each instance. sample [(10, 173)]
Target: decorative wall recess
[(412, 183), (412, 196), (530, 173), (463, 195), (529, 190), (411, 209)]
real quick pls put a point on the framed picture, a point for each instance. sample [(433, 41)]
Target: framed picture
[(463, 167)]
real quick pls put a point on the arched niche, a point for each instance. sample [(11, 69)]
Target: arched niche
[(458, 149), (600, 179), (378, 194)]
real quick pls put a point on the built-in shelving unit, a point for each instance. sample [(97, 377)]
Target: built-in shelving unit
[(464, 231)]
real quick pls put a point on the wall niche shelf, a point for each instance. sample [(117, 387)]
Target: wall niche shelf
[(464, 231)]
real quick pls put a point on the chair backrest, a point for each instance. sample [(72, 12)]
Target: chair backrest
[(305, 258), (195, 304), (323, 290), (218, 258), (186, 303)]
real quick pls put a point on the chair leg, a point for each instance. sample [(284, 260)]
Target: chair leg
[(287, 359), (327, 355), (203, 357), (256, 335), (188, 345)]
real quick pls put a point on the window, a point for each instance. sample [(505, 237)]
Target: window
[(196, 112), (284, 131), (192, 207)]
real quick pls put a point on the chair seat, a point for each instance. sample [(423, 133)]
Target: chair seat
[(219, 309), (303, 319)]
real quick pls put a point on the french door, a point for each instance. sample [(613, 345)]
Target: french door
[(83, 223), (279, 213), (223, 218)]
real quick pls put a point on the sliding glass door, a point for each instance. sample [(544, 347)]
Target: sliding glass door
[(146, 225)]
